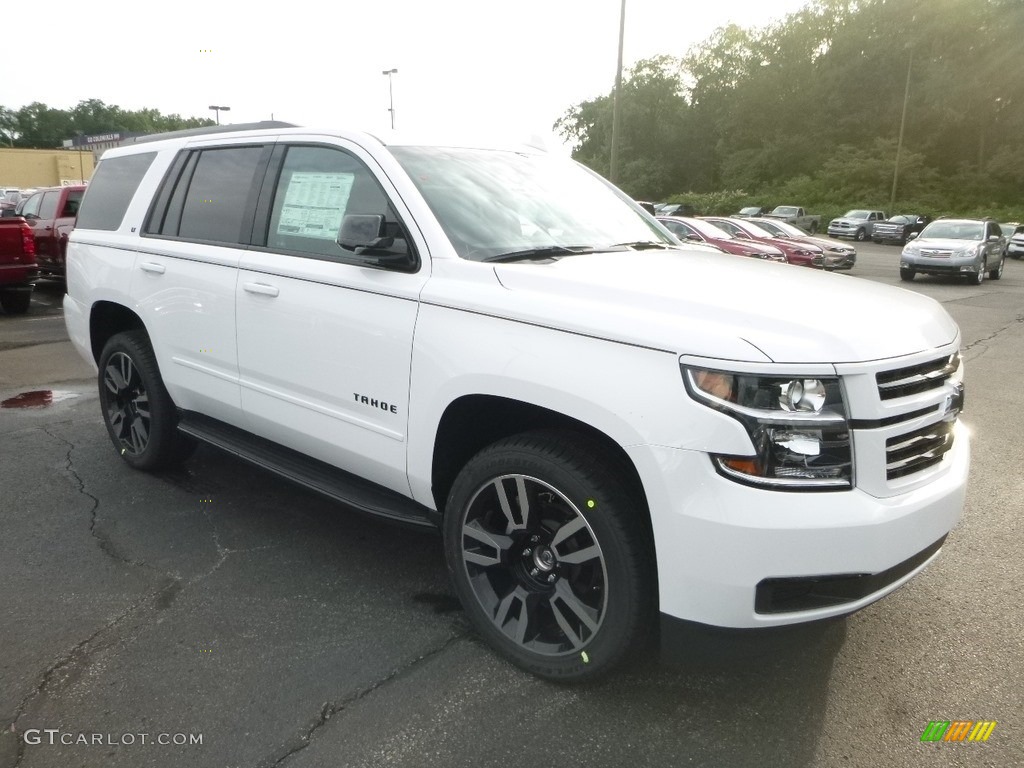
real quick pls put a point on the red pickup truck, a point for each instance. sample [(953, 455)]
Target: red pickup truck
[(51, 214), (18, 269)]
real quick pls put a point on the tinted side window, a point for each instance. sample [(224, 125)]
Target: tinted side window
[(316, 189), (217, 198), (48, 208), (111, 189)]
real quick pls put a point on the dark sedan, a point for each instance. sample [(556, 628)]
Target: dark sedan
[(897, 229)]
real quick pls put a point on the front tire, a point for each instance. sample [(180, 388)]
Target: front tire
[(979, 277), (997, 273), (907, 275), (140, 416), (861, 235), (550, 554)]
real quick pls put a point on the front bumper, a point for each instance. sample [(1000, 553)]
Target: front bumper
[(718, 541), (844, 230), (949, 266), (1016, 250)]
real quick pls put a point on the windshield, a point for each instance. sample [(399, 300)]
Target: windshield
[(857, 214), (955, 230), (492, 202), (708, 229), (781, 228), (752, 229), (903, 219), (786, 210)]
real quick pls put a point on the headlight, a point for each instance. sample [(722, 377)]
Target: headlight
[(967, 253), (911, 249), (797, 426)]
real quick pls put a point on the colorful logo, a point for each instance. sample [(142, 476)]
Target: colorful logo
[(958, 730)]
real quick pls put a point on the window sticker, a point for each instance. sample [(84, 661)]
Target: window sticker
[(314, 204)]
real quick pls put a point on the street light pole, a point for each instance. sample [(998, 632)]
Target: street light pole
[(218, 110), (899, 141), (612, 165), (391, 94)]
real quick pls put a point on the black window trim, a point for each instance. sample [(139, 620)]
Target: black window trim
[(261, 224)]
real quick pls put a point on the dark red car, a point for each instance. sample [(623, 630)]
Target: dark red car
[(52, 214), (801, 254), (700, 231)]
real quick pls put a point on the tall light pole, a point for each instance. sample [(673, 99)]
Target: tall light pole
[(391, 94), (612, 165), (899, 141), (218, 110)]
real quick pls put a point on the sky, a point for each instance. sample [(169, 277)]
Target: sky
[(509, 68)]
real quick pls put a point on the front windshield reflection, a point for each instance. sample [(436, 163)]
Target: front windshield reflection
[(494, 202)]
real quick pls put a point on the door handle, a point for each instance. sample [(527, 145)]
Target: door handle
[(261, 288), (149, 266)]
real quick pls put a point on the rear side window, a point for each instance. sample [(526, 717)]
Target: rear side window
[(217, 197), (209, 195), (111, 189)]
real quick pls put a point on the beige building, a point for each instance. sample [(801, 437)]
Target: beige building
[(31, 168)]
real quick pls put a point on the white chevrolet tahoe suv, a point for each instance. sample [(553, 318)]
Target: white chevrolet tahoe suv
[(608, 428)]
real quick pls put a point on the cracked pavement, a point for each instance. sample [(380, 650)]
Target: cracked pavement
[(288, 631)]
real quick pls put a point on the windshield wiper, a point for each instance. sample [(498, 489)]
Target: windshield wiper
[(539, 254), (641, 245)]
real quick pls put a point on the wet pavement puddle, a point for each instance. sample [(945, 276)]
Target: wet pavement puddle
[(38, 398)]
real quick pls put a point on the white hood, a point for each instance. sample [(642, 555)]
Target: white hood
[(721, 306)]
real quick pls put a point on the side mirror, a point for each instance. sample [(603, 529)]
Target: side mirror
[(363, 230), (993, 238), (913, 235)]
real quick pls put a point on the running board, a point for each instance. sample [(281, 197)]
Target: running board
[(310, 473)]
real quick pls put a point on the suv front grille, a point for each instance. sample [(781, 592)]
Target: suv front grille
[(916, 378), (917, 450)]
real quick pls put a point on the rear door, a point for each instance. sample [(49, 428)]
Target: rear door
[(184, 280), (324, 333)]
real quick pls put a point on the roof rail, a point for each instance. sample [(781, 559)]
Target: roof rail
[(208, 129)]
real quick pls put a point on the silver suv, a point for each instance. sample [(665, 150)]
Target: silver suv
[(968, 247)]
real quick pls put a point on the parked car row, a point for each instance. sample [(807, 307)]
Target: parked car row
[(761, 238)]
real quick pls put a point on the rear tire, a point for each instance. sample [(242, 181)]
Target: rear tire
[(550, 554), (140, 416), (15, 302)]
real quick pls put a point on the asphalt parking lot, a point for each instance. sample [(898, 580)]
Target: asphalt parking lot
[(282, 630)]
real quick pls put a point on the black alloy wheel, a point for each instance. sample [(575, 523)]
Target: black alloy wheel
[(140, 416), (550, 556)]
